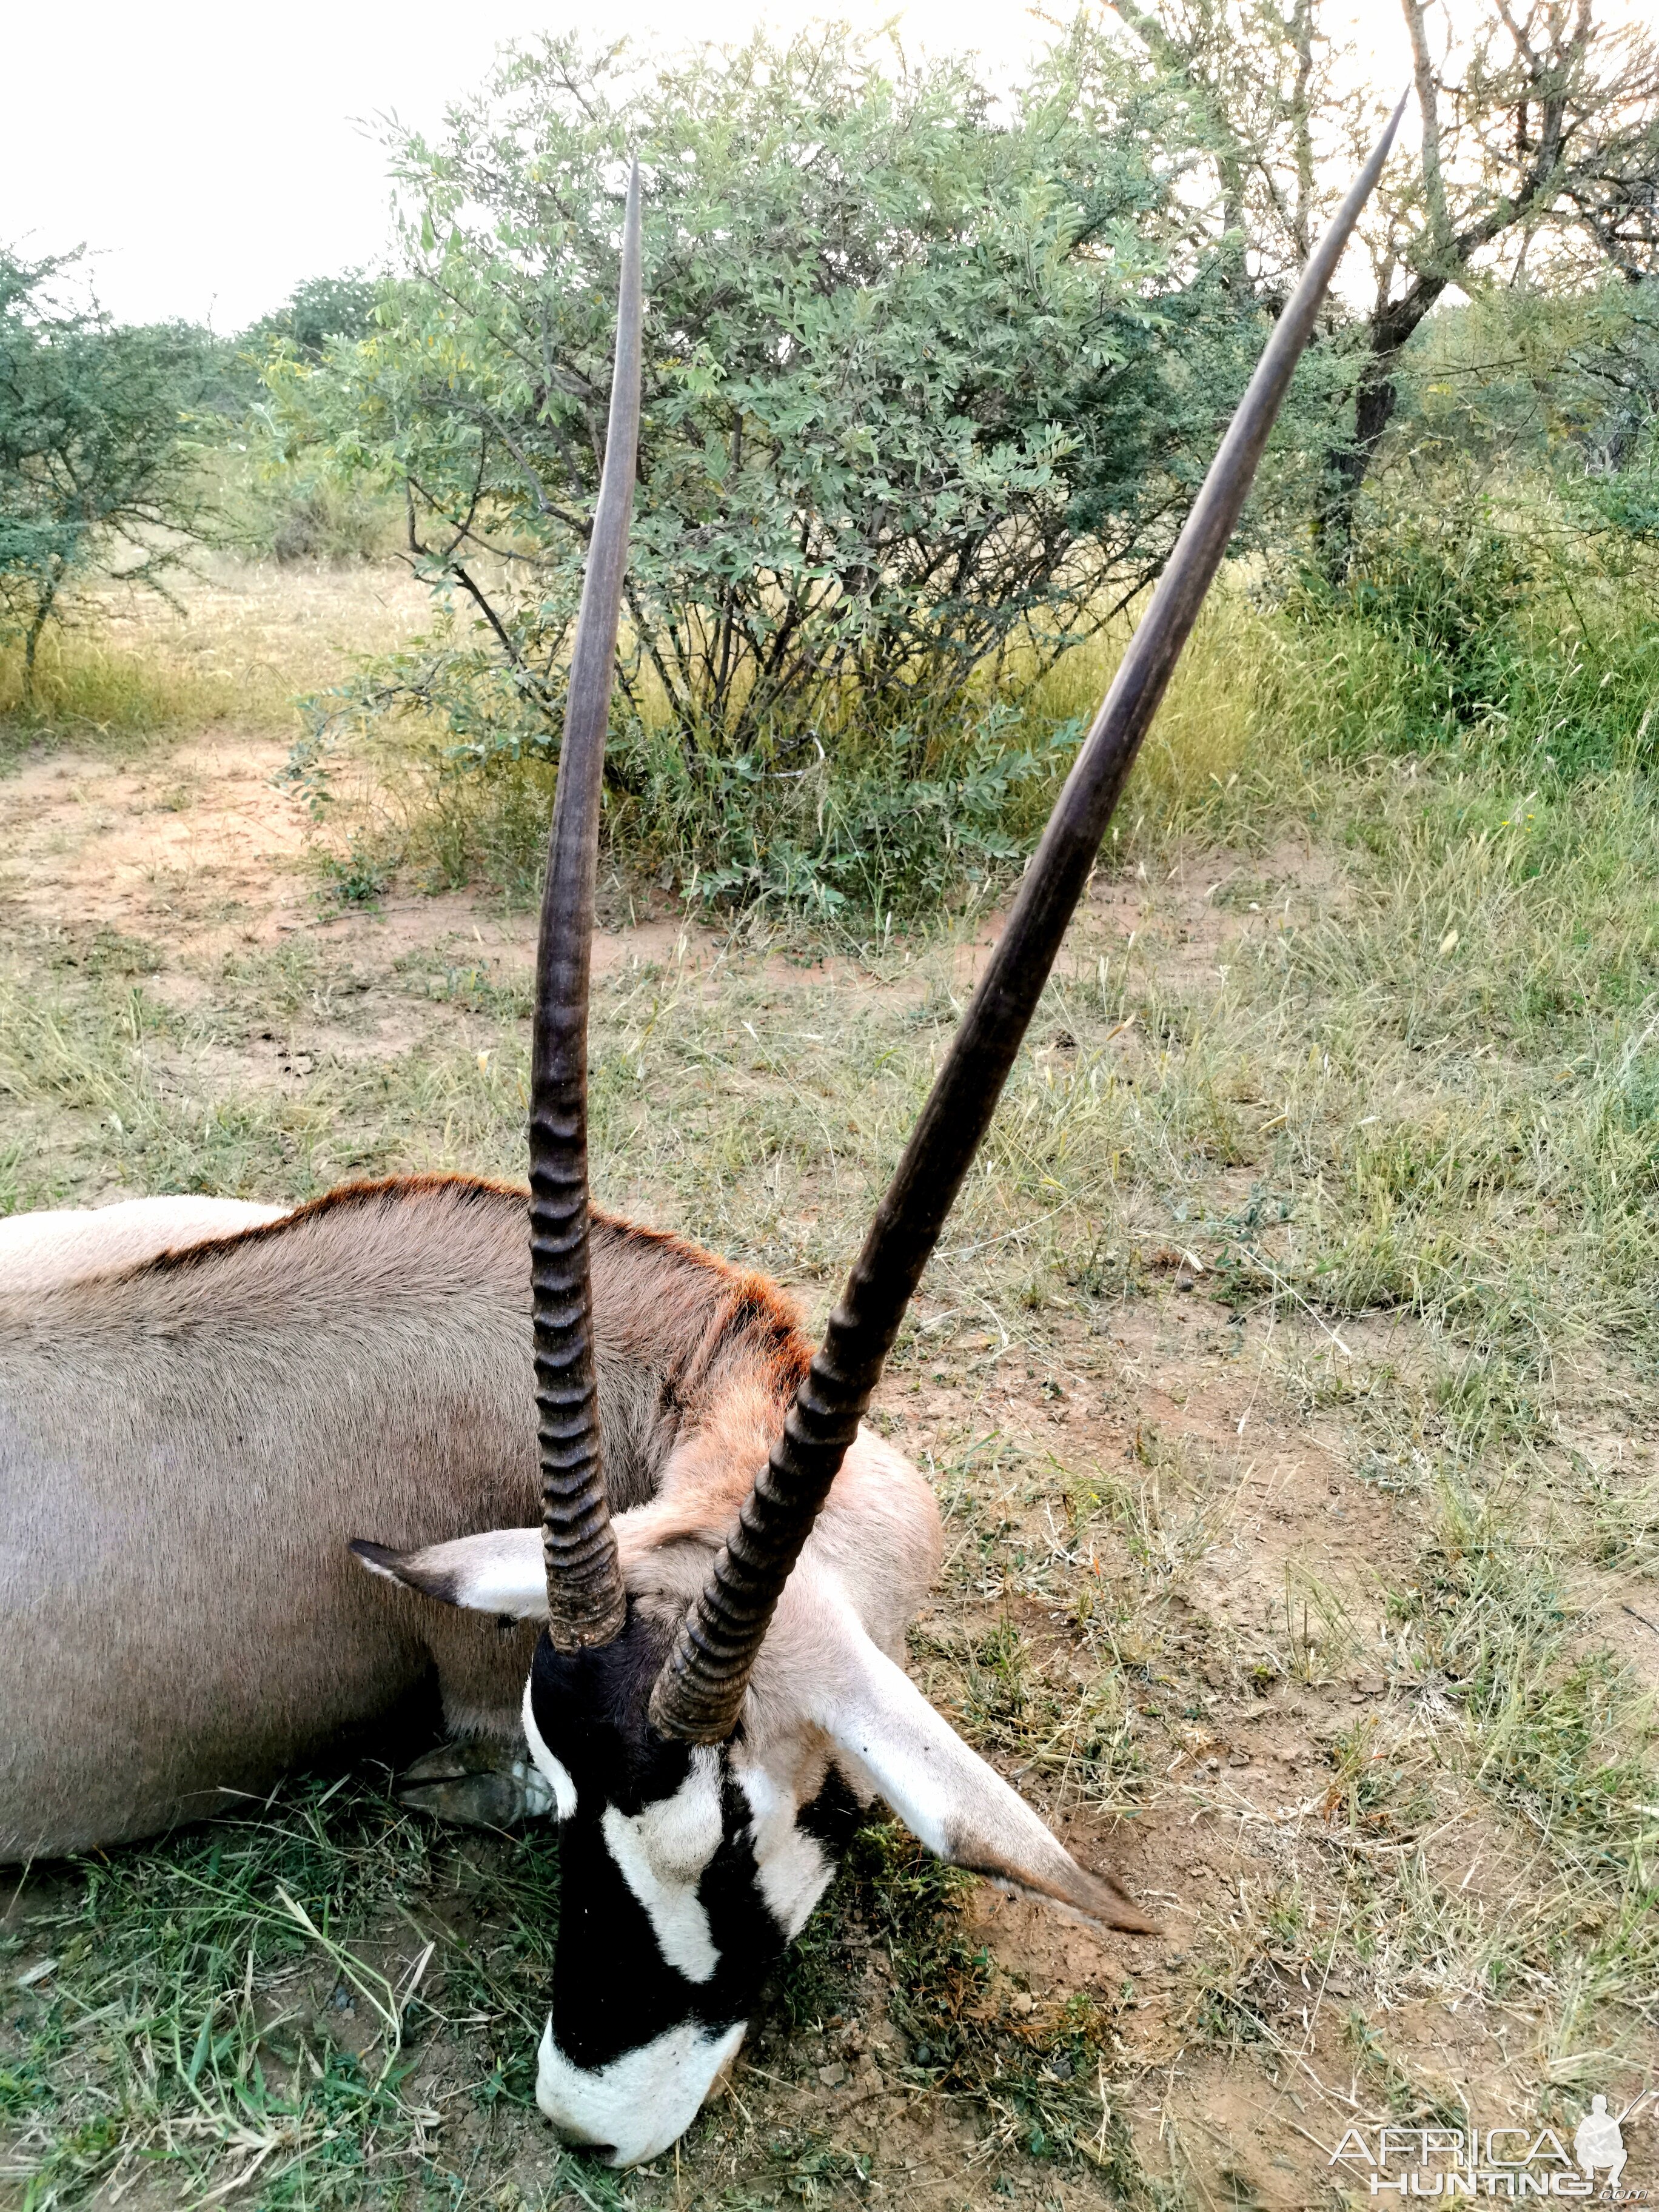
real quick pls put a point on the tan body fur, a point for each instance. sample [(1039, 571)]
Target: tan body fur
[(188, 1444)]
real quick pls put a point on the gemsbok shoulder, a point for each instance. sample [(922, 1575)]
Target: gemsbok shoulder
[(611, 1500)]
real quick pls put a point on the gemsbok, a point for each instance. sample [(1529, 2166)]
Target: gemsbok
[(679, 1571)]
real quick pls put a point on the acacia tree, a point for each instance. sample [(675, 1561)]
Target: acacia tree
[(925, 378), (1540, 150), (318, 310), (97, 462)]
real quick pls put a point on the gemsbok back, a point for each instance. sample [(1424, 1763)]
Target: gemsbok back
[(678, 1569)]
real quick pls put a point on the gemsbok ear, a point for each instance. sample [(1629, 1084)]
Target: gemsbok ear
[(946, 1794), (502, 1571)]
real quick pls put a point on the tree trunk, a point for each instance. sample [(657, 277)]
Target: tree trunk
[(43, 607), (1347, 463)]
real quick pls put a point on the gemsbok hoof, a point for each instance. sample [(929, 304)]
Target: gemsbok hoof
[(475, 1785)]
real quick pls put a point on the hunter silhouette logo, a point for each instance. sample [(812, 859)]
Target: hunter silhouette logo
[(1599, 2142), (1499, 2162)]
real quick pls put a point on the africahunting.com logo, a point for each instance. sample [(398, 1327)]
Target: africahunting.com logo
[(1508, 2162)]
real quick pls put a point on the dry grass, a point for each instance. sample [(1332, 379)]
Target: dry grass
[(1207, 740), (242, 641)]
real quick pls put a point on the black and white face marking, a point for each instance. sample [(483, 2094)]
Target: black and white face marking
[(685, 1872)]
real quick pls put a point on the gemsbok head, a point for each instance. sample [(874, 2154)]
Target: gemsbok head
[(710, 1721)]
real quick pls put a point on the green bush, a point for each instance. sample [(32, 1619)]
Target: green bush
[(286, 495), (1625, 499), (1447, 592), (99, 466), (1460, 630), (929, 378), (897, 828), (285, 505), (904, 825), (316, 313)]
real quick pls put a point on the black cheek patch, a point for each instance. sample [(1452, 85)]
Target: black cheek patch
[(833, 1817), (612, 1988)]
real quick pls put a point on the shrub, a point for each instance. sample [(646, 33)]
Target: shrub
[(1445, 589), (906, 826), (862, 827), (1460, 630), (283, 503), (286, 497), (96, 462), (927, 382), (315, 314)]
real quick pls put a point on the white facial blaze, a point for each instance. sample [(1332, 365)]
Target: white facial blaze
[(792, 1868), (640, 2101), (662, 1853), (557, 1774)]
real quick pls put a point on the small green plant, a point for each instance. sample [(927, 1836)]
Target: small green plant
[(1466, 631), (1447, 590), (361, 873)]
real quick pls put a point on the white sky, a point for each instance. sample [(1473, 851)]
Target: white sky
[(213, 157)]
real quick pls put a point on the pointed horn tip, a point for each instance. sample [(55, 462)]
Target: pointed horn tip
[(1365, 183), (1101, 1898)]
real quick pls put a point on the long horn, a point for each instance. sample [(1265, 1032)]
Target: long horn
[(699, 1692), (585, 1597)]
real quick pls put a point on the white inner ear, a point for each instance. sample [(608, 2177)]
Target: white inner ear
[(502, 1571), (945, 1794), (910, 1755)]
